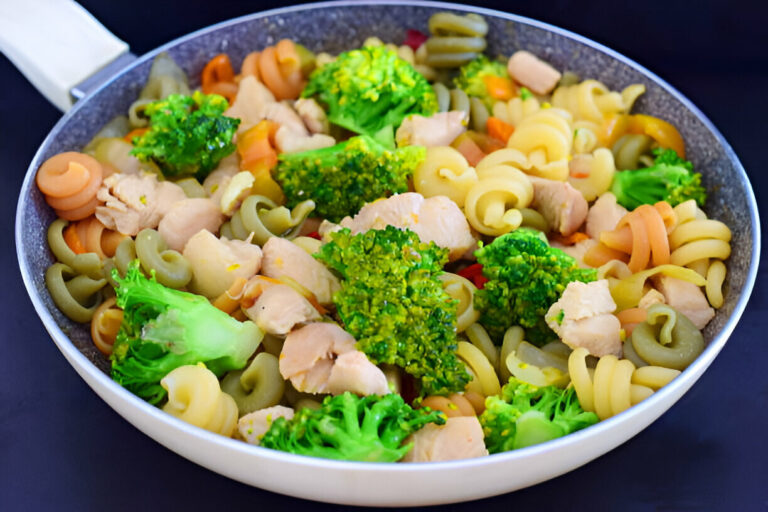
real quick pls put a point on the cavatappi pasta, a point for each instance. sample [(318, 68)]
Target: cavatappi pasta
[(516, 161)]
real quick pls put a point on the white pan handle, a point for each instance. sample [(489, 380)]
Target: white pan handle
[(56, 44)]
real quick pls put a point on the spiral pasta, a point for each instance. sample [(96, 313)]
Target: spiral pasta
[(480, 367), (515, 110), (169, 267), (667, 338), (76, 295), (455, 39), (114, 154), (218, 77), (457, 99), (87, 263), (630, 150), (545, 138), (264, 218), (105, 324), (96, 238), (278, 67), (165, 78), (194, 396), (592, 174), (493, 204), (444, 172), (117, 127), (463, 291), (69, 182), (591, 100), (257, 387)]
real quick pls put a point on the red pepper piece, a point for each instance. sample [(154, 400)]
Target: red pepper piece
[(414, 38)]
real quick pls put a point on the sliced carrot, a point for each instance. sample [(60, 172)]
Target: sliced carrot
[(138, 132), (664, 133), (73, 239), (499, 87), (499, 129), (256, 146), (571, 239), (614, 127)]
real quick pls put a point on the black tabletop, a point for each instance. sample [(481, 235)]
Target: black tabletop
[(62, 448)]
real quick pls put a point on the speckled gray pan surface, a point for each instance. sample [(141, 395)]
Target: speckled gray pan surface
[(335, 28)]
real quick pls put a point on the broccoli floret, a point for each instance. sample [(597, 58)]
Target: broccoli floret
[(524, 415), (187, 134), (393, 303), (342, 178), (525, 277), (472, 77), (670, 179), (163, 329), (347, 427), (370, 91)]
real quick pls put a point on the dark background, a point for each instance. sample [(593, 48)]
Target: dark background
[(62, 448)]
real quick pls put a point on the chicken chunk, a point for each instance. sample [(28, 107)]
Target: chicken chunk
[(436, 219), (216, 182), (186, 218), (583, 318), (530, 71), (577, 250), (216, 263), (650, 298), (321, 358), (250, 103), (685, 298), (604, 215), (280, 308), (282, 114), (253, 426), (284, 258), (437, 130), (562, 206), (460, 438), (288, 141), (134, 202), (313, 115)]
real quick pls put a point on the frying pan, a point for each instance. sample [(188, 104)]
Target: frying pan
[(732, 201)]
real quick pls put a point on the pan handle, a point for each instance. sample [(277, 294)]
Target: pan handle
[(56, 44)]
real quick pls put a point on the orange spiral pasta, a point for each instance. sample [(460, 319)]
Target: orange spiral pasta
[(105, 324), (90, 235), (69, 182), (219, 78), (643, 234), (279, 67), (453, 405)]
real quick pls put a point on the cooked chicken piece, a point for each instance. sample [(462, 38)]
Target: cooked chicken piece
[(186, 218), (279, 309), (135, 202), (250, 103), (436, 219), (313, 115), (562, 206), (582, 318), (651, 298), (604, 215), (321, 358), (460, 438), (531, 72), (437, 130), (253, 426), (284, 258), (353, 372), (216, 182), (216, 263), (282, 114), (288, 141), (685, 298), (577, 250)]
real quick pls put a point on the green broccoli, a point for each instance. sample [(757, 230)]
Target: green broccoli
[(472, 77), (370, 91), (342, 178), (187, 134), (163, 329), (524, 415), (670, 179), (525, 277), (393, 303), (348, 427)]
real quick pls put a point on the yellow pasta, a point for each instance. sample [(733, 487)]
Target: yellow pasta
[(444, 172), (480, 367), (194, 396), (462, 290), (714, 287), (592, 174), (591, 100), (545, 138), (478, 336), (516, 110)]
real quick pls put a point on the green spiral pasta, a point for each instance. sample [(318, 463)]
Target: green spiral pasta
[(264, 218), (456, 99), (667, 338), (258, 386), (170, 267), (629, 150), (76, 295), (455, 39), (165, 78), (88, 264), (191, 187)]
